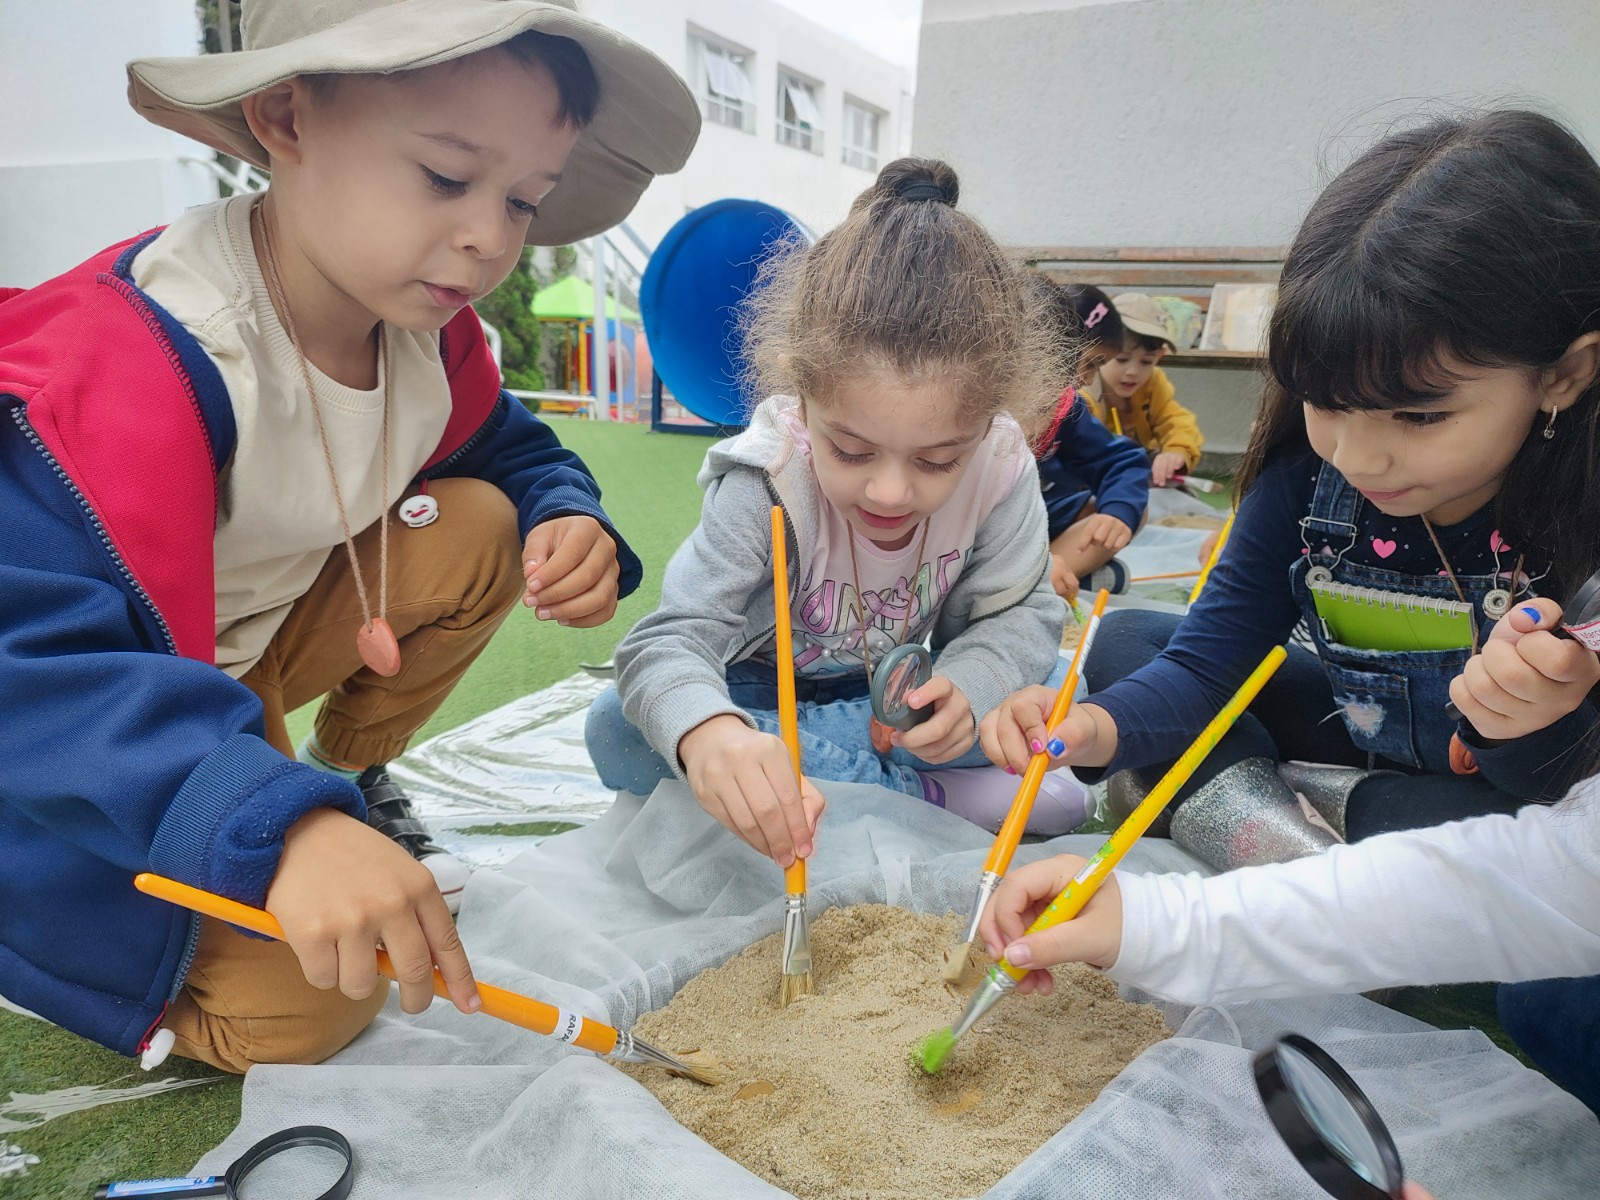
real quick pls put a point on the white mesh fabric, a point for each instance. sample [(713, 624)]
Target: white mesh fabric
[(612, 918)]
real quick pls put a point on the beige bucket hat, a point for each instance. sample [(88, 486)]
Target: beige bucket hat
[(1142, 315), (645, 125)]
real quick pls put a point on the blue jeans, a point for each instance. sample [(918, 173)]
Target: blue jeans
[(1292, 719), (1557, 1024), (834, 742)]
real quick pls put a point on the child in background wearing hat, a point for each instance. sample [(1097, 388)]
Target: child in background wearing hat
[(1137, 399), (1096, 484), (262, 456)]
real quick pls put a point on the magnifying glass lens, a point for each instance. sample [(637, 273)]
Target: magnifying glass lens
[(1327, 1122), (901, 682), (303, 1173), (1333, 1116)]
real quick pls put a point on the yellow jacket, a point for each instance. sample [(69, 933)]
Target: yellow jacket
[(1158, 422)]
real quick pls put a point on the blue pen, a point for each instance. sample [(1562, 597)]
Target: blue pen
[(211, 1185)]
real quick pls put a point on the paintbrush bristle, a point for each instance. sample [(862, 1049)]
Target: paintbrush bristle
[(795, 986), (935, 1048), (703, 1067), (955, 962)]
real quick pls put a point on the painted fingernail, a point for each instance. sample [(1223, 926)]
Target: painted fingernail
[(1532, 613), (1057, 746), (1036, 746), (1011, 770), (1019, 954)]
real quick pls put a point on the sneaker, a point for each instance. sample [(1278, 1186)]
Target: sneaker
[(389, 812), (1113, 577)]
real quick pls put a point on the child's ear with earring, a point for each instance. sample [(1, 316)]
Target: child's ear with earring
[(1563, 382)]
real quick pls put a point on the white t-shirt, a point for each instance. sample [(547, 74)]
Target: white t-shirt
[(276, 516), (1492, 898), (828, 612)]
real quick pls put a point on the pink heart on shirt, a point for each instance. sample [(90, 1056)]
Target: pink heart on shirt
[(1384, 547), (1497, 544)]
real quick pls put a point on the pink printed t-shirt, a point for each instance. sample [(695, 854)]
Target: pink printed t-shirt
[(828, 610)]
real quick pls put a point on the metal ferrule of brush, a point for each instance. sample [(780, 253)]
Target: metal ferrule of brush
[(986, 886), (996, 986), (635, 1050), (796, 936)]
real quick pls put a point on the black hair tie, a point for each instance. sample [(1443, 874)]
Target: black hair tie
[(920, 191)]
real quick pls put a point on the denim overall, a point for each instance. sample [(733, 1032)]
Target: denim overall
[(1392, 702)]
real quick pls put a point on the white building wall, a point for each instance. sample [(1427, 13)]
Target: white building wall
[(817, 188), (79, 169), (1214, 122)]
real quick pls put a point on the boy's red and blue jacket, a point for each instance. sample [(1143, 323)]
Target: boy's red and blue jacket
[(122, 747)]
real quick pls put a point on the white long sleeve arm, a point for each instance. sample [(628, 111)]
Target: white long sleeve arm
[(1493, 898)]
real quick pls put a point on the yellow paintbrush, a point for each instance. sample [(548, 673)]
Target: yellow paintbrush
[(1003, 977), (573, 1028), (796, 937), (1211, 560), (1010, 834)]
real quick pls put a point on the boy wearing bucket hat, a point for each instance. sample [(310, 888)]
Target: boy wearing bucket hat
[(263, 455), (1136, 398)]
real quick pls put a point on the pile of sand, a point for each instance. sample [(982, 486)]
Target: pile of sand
[(823, 1098)]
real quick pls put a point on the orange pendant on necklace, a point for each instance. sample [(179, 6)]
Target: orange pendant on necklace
[(378, 648)]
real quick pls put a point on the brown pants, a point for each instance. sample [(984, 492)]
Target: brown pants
[(451, 584)]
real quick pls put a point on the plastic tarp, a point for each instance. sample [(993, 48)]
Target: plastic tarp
[(612, 919)]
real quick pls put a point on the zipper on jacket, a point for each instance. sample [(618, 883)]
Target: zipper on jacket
[(19, 416), (467, 446), (794, 582)]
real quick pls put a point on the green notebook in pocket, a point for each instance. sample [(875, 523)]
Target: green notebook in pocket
[(1365, 618)]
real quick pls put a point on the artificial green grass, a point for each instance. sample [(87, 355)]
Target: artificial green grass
[(650, 493), (647, 481)]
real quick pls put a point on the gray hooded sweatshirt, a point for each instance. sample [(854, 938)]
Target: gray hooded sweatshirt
[(997, 630)]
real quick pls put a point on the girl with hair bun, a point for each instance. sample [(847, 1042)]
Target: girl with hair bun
[(901, 372)]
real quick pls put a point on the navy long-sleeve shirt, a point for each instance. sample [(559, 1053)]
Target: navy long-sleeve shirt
[(1248, 607), (1084, 460)]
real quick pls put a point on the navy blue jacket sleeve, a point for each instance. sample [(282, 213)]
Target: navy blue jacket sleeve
[(114, 744), (520, 455), (1247, 608), (1542, 765), (1116, 468)]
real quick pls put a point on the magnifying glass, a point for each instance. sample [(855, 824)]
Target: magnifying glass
[(322, 1168), (1327, 1121), (902, 671)]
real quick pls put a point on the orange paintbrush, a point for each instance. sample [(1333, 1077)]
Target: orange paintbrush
[(1010, 835), (796, 936), (562, 1024)]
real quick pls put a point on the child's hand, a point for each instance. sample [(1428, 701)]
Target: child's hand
[(1094, 936), (1103, 530), (341, 889), (1525, 678), (570, 564), (1164, 466), (949, 733), (744, 779), (1062, 578), (1014, 732), (1207, 546)]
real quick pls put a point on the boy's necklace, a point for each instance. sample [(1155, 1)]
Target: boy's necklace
[(375, 640), (880, 733)]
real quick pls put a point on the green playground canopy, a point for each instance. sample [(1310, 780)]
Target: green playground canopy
[(572, 299)]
